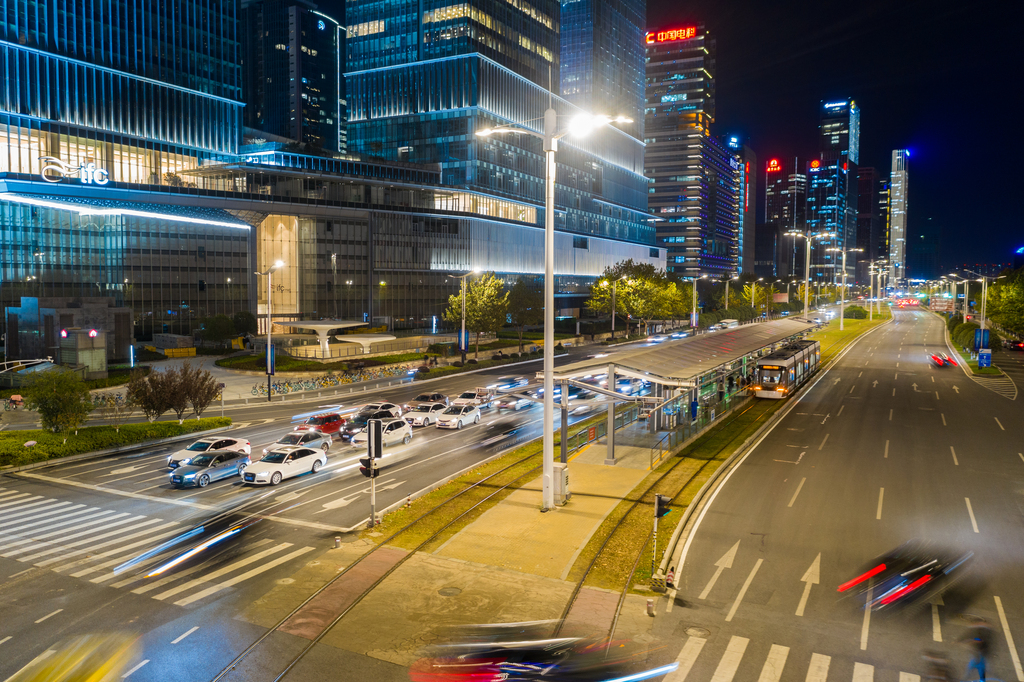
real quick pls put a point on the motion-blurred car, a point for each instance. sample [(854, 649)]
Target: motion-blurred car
[(513, 403), (679, 335), (202, 445), (912, 573), (394, 431), (424, 414), (94, 657), (357, 422), (503, 436), (214, 465), (329, 423), (1013, 345), (306, 439), (479, 397), (457, 416), (504, 384), (284, 462), (426, 399), (937, 360), (948, 360)]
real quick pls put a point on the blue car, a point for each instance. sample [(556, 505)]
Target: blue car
[(209, 467)]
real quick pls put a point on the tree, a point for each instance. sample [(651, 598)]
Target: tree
[(525, 307), (486, 306), (218, 328), (148, 393), (245, 322), (117, 409), (200, 387), (61, 398), (175, 389), (633, 283)]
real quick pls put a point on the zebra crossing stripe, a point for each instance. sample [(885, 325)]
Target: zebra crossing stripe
[(90, 513), (88, 541), (727, 667), (909, 677), (245, 576), (773, 665), (8, 502), (687, 657), (118, 550), (231, 568), (42, 520), (862, 672), (89, 527), (34, 508), (818, 670)]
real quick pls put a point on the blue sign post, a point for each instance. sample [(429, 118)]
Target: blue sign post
[(980, 339), (984, 358)]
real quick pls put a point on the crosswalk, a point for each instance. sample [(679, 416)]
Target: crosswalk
[(88, 543), (819, 668)]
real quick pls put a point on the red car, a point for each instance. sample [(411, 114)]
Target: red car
[(329, 423)]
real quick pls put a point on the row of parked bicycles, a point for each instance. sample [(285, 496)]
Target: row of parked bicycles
[(331, 380)]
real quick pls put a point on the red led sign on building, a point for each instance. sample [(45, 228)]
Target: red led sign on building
[(674, 34), (774, 166)]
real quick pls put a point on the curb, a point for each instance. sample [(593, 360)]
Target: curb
[(111, 451), (700, 499)]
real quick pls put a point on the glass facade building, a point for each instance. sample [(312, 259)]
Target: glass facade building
[(292, 72), (785, 204), (898, 217), (602, 58)]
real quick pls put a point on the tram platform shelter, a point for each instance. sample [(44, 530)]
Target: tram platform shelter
[(692, 380)]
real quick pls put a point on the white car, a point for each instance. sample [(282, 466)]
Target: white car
[(284, 462), (395, 410), (514, 403), (395, 431), (457, 416), (481, 397), (183, 457), (306, 439), (505, 384), (424, 414)]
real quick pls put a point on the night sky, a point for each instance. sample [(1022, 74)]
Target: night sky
[(941, 79)]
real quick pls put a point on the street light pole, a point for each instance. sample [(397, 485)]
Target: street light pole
[(462, 338), (580, 125), (842, 294), (270, 366), (753, 297)]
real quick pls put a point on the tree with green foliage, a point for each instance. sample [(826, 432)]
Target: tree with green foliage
[(244, 322), (641, 291), (218, 328), (61, 398), (525, 307), (486, 307), (200, 387)]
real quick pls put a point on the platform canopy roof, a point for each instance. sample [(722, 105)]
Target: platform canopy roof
[(680, 362)]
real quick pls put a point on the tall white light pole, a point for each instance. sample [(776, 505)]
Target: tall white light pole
[(580, 125), (727, 290), (842, 294), (462, 338), (270, 292), (615, 283)]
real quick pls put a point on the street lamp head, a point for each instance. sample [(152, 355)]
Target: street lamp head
[(493, 131), (604, 282), (383, 283), (476, 271)]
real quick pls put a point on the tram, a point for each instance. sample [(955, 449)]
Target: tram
[(785, 370)]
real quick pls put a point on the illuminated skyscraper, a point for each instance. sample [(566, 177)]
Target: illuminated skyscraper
[(746, 199), (785, 198), (898, 216), (695, 178)]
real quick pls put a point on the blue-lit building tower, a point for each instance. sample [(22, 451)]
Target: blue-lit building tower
[(602, 58), (423, 77), (832, 189)]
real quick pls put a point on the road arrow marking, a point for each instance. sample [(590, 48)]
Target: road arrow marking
[(914, 386), (811, 577), (722, 564), (837, 380), (874, 383), (743, 591), (127, 470), (956, 388), (936, 602)]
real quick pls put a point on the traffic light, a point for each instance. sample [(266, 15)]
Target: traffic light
[(369, 467), (661, 505)]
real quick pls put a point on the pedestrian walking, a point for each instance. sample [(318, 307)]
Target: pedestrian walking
[(979, 639)]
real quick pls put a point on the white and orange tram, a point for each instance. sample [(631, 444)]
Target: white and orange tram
[(786, 369)]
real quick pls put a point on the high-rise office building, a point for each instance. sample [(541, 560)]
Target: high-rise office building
[(747, 199), (602, 58), (694, 190), (420, 84), (785, 198), (870, 220), (291, 68), (766, 251), (832, 190), (898, 216)]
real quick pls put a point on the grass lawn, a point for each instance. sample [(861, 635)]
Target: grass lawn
[(973, 365)]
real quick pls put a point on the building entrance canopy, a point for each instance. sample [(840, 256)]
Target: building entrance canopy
[(323, 329), (681, 363)]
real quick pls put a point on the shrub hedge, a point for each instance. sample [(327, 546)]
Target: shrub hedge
[(51, 446)]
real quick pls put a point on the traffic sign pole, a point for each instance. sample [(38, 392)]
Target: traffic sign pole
[(374, 432)]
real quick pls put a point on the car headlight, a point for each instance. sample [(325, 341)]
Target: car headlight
[(185, 461), (192, 475), (263, 473)]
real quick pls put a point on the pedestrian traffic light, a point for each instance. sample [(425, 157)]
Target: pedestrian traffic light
[(369, 467), (661, 505)]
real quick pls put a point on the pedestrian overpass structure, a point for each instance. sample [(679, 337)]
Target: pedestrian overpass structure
[(692, 379)]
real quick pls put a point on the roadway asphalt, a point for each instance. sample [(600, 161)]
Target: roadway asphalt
[(64, 529), (884, 448)]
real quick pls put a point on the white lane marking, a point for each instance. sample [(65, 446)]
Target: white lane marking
[(851, 388), (127, 674), (5, 639), (90, 520), (117, 551), (209, 577), (893, 392), (726, 669), (88, 526), (970, 510), (956, 462), (49, 507), (840, 410), (861, 374), (881, 494), (1009, 640), (818, 670), (1021, 455), (49, 615), (862, 672), (1000, 423), (19, 499), (937, 395), (120, 537), (890, 414), (90, 538), (687, 657), (943, 418), (722, 564), (187, 633), (909, 677), (823, 441), (61, 513), (245, 576), (886, 455), (743, 590), (798, 489), (867, 616), (22, 572), (936, 602), (773, 665), (933, 380)]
